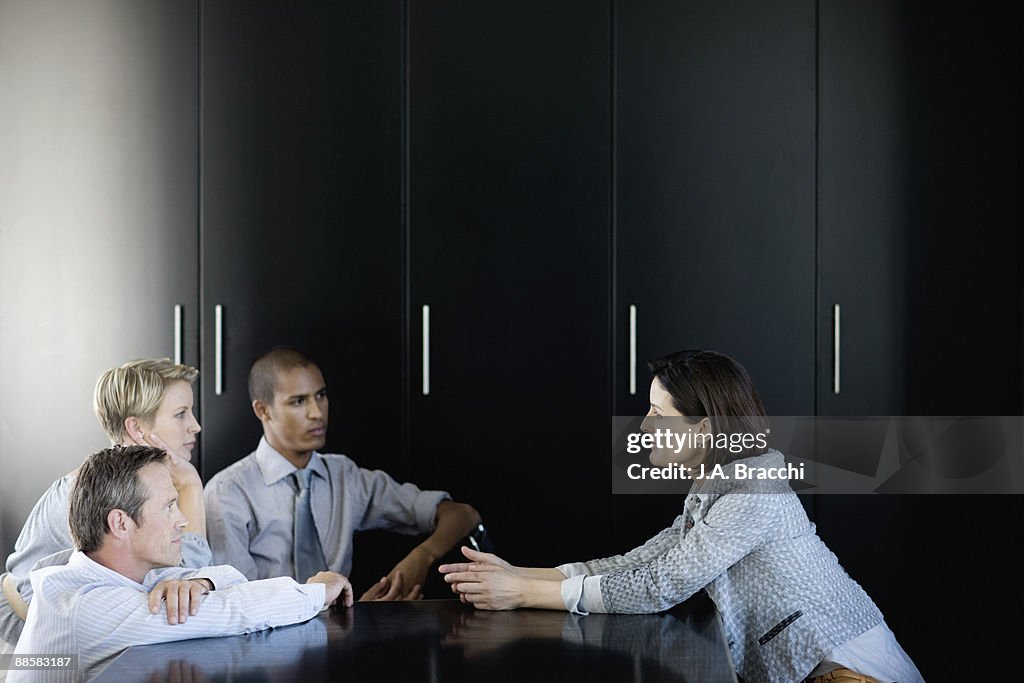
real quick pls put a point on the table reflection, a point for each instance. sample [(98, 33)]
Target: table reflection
[(444, 640), (269, 656)]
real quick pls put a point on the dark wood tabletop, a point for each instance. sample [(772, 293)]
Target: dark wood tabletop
[(444, 640)]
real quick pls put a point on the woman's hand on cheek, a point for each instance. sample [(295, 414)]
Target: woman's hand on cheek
[(183, 472)]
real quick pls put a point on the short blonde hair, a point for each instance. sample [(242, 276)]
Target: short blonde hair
[(135, 390)]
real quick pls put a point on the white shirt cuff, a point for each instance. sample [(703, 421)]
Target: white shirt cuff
[(572, 594), (592, 600), (316, 592), (582, 594)]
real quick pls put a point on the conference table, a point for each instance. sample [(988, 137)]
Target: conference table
[(445, 640)]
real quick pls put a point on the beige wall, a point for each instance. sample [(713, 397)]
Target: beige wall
[(97, 218)]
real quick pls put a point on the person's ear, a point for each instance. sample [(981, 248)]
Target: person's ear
[(133, 429), (119, 523), (704, 426), (261, 410)]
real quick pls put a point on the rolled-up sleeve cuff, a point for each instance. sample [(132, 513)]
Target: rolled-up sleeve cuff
[(425, 509), (582, 594), (592, 600), (572, 593), (195, 550), (572, 569)]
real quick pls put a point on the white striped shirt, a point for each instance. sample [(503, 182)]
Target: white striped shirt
[(90, 610), (46, 532)]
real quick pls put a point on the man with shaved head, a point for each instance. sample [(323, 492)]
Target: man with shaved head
[(288, 510)]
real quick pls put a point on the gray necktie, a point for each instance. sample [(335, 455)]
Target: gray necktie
[(309, 557)]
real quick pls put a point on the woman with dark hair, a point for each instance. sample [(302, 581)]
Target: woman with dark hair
[(788, 608)]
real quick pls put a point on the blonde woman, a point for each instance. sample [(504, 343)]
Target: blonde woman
[(145, 402)]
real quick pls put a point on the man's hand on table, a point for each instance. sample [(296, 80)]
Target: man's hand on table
[(337, 586), (183, 598)]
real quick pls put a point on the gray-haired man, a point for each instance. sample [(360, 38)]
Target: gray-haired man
[(124, 518)]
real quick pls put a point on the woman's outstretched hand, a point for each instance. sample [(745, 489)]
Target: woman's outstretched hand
[(486, 582), (476, 557)]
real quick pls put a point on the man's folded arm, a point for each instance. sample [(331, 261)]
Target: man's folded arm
[(120, 616), (221, 576)]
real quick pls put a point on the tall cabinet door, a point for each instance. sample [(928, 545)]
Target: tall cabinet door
[(920, 180), (301, 212), (98, 236), (509, 143), (920, 210), (714, 243)]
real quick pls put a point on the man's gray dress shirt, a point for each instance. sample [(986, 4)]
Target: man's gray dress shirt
[(250, 510)]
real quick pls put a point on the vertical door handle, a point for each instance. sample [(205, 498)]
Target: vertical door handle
[(835, 349), (218, 350), (632, 350), (177, 334), (426, 350)]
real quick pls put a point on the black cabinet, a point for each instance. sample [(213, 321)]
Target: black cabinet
[(714, 203), (301, 213), (865, 208), (509, 164), (919, 153), (919, 169)]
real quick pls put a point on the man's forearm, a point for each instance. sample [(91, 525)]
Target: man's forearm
[(453, 523)]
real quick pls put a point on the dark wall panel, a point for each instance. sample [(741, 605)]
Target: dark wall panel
[(920, 243), (301, 231), (715, 201), (509, 139)]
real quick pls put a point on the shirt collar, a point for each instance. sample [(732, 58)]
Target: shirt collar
[(274, 467), (82, 561)]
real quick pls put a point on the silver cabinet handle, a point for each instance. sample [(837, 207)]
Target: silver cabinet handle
[(835, 350), (632, 350), (177, 334), (218, 349), (426, 350)]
